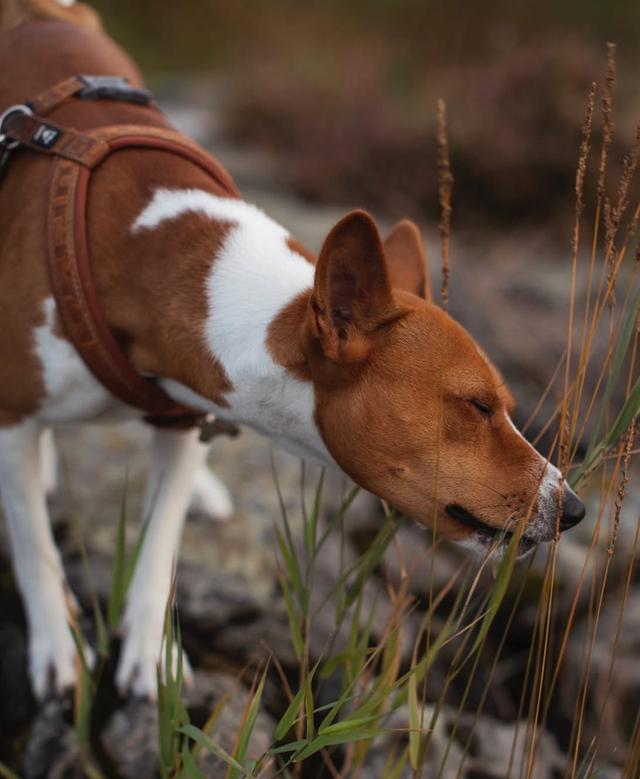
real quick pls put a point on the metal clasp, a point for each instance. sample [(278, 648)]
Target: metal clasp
[(14, 109)]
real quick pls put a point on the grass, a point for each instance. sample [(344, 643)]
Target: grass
[(380, 686), (375, 679)]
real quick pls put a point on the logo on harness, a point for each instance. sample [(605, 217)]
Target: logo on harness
[(45, 136)]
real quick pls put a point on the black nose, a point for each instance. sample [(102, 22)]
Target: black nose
[(573, 510)]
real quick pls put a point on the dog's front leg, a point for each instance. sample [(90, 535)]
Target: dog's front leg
[(48, 602), (175, 459)]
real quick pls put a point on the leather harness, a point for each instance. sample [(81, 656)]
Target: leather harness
[(75, 156)]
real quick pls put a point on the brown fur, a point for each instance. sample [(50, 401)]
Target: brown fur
[(151, 280), (395, 381), (407, 260), (15, 12)]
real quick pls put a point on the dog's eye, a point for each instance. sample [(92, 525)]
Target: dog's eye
[(481, 407)]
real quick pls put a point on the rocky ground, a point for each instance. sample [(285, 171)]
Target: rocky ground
[(231, 609)]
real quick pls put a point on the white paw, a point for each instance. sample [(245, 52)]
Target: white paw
[(142, 650), (210, 496), (54, 664)]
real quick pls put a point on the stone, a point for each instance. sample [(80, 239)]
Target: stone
[(130, 740), (52, 751)]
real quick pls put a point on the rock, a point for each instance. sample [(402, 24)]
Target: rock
[(484, 746), (207, 690), (255, 640), (130, 740), (16, 702), (384, 753), (613, 694), (208, 600), (52, 751)]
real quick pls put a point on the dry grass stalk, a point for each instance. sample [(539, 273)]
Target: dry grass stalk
[(626, 448), (607, 117), (566, 429), (445, 187), (585, 147)]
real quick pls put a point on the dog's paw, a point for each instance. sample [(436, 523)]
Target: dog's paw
[(54, 663), (137, 668), (210, 497)]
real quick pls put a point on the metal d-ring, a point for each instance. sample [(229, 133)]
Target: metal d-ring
[(19, 108)]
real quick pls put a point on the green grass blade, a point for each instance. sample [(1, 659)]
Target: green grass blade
[(499, 588), (292, 567), (292, 746), (132, 563), (345, 725), (338, 516), (117, 592), (371, 559), (195, 734), (294, 622), (311, 526), (630, 410), (190, 766), (84, 692), (414, 722), (335, 739), (622, 347), (102, 633), (248, 724)]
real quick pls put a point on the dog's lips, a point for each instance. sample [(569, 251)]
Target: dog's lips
[(487, 533)]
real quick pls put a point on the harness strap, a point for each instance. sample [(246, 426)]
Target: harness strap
[(88, 88), (70, 271), (76, 155), (34, 133)]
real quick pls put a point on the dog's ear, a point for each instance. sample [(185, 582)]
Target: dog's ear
[(407, 259), (352, 292)]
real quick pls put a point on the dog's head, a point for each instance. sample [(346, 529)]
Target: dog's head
[(409, 405)]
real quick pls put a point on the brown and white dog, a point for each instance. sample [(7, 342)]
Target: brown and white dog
[(346, 361)]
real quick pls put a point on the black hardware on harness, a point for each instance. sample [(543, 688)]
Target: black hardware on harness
[(112, 88), (7, 146)]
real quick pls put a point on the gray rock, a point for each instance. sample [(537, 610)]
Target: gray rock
[(52, 751), (130, 740), (207, 690), (483, 748), (615, 692), (16, 707), (208, 600)]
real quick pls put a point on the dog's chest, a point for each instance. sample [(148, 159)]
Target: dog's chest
[(72, 394)]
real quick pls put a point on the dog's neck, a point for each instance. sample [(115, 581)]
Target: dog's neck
[(255, 288)]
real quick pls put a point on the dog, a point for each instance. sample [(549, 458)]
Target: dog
[(343, 359)]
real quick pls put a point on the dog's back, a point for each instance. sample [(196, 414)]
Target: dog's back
[(16, 12), (43, 42)]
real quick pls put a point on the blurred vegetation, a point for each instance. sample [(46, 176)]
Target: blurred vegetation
[(200, 34), (342, 94)]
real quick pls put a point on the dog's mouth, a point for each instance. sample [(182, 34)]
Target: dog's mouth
[(489, 536)]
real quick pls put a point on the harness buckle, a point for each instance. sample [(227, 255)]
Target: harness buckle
[(20, 108), (112, 88)]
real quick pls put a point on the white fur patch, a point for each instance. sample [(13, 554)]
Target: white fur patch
[(543, 522), (176, 457), (254, 276), (36, 560), (72, 393)]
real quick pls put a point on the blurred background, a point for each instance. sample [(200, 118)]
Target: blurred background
[(316, 108)]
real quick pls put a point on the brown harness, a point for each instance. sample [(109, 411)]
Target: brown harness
[(76, 155)]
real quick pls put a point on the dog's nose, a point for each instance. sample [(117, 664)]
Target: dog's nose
[(573, 509)]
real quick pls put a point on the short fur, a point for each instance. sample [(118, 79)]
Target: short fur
[(348, 362)]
